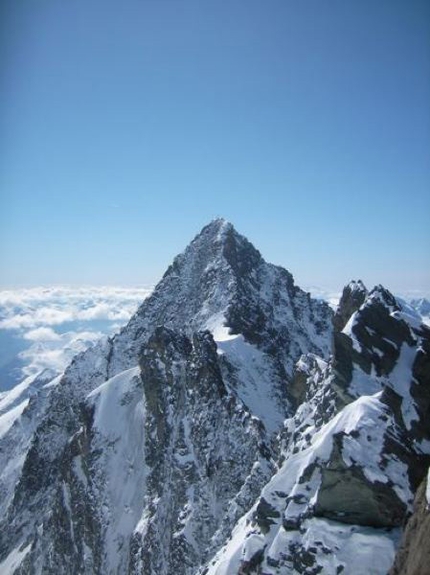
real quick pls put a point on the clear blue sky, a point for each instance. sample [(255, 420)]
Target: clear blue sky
[(126, 126)]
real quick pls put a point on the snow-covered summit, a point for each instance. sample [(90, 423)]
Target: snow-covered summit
[(356, 286), (222, 283)]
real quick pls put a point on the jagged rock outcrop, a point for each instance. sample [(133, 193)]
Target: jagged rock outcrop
[(352, 299), (352, 455), (413, 556)]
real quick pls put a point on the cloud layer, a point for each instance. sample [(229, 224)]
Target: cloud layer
[(35, 307), (53, 324)]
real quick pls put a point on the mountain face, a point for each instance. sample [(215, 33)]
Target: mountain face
[(235, 425), (253, 309), (153, 443)]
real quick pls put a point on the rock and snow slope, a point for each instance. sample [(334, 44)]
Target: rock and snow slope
[(226, 429), (353, 453), (206, 450)]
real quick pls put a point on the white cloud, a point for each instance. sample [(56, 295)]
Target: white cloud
[(42, 334), (105, 311), (33, 318), (39, 316), (56, 353), (37, 307), (330, 296)]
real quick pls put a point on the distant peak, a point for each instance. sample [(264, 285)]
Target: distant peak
[(217, 246), (379, 294), (353, 297), (216, 232), (218, 226), (218, 222), (357, 286)]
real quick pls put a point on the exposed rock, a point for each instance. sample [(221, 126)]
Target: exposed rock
[(352, 298), (413, 556), (347, 495)]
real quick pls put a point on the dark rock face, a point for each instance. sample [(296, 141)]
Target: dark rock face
[(346, 495), (264, 515), (413, 556), (420, 389), (352, 299)]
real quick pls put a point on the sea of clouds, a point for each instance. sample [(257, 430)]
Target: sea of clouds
[(42, 328)]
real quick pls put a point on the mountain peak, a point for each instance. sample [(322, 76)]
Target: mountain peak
[(218, 224), (353, 296), (381, 295), (215, 231), (217, 246), (357, 286), (221, 283)]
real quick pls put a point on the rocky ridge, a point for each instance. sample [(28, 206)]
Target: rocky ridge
[(352, 455)]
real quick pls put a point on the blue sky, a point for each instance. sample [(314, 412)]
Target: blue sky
[(126, 126)]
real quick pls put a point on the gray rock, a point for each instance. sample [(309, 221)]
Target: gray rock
[(413, 556), (352, 298)]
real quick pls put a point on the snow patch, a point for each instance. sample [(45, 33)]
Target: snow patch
[(14, 560), (9, 418), (119, 423), (254, 384), (400, 381)]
